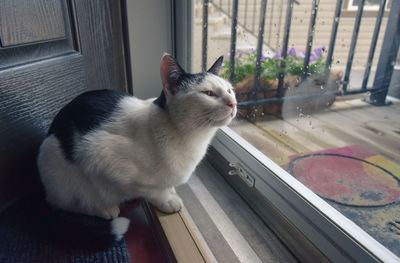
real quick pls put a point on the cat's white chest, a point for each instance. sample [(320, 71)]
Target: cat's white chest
[(184, 161)]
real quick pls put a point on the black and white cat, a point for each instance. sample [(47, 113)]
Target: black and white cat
[(106, 147)]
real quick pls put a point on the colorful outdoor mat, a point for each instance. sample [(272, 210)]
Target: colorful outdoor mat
[(349, 175), (362, 185)]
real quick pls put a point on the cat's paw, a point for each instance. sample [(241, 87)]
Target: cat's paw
[(109, 212), (171, 205)]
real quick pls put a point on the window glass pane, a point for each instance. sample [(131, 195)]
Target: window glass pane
[(322, 130)]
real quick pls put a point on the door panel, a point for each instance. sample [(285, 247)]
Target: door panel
[(34, 30), (25, 21), (29, 100), (99, 25), (40, 73)]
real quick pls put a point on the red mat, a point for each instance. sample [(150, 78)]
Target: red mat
[(145, 239), (349, 175)]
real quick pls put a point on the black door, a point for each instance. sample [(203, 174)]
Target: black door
[(50, 51)]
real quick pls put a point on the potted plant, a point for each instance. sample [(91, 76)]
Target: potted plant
[(306, 96)]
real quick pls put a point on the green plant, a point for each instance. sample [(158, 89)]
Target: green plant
[(244, 65), (271, 67)]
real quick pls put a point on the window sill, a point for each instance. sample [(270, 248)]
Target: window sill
[(182, 237)]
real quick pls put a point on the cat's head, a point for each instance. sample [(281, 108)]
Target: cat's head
[(196, 100)]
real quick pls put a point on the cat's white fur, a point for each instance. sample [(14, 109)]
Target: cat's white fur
[(143, 151)]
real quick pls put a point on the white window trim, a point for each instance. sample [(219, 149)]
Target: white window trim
[(335, 235)]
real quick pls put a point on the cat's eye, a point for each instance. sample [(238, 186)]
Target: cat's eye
[(209, 93)]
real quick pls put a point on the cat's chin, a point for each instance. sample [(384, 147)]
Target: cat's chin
[(225, 121)]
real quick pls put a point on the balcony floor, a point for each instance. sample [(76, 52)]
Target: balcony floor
[(348, 154)]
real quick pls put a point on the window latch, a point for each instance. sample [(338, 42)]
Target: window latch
[(238, 170)]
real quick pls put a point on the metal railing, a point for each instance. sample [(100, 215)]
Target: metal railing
[(386, 61)]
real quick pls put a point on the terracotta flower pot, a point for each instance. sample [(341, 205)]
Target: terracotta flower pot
[(307, 96), (246, 85)]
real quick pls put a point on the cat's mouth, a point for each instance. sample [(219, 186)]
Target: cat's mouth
[(233, 112)]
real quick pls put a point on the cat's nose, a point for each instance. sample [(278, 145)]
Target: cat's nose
[(231, 104)]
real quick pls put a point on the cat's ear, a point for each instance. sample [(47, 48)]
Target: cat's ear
[(171, 74), (216, 67)]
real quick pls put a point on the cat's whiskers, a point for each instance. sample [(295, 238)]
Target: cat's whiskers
[(204, 117)]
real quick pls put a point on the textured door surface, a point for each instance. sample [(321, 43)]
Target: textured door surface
[(50, 51)]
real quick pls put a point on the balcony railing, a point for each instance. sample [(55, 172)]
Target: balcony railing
[(389, 49)]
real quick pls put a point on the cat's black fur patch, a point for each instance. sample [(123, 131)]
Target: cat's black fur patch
[(161, 101), (194, 78), (83, 114)]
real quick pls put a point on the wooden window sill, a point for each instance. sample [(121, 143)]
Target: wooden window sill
[(182, 238)]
